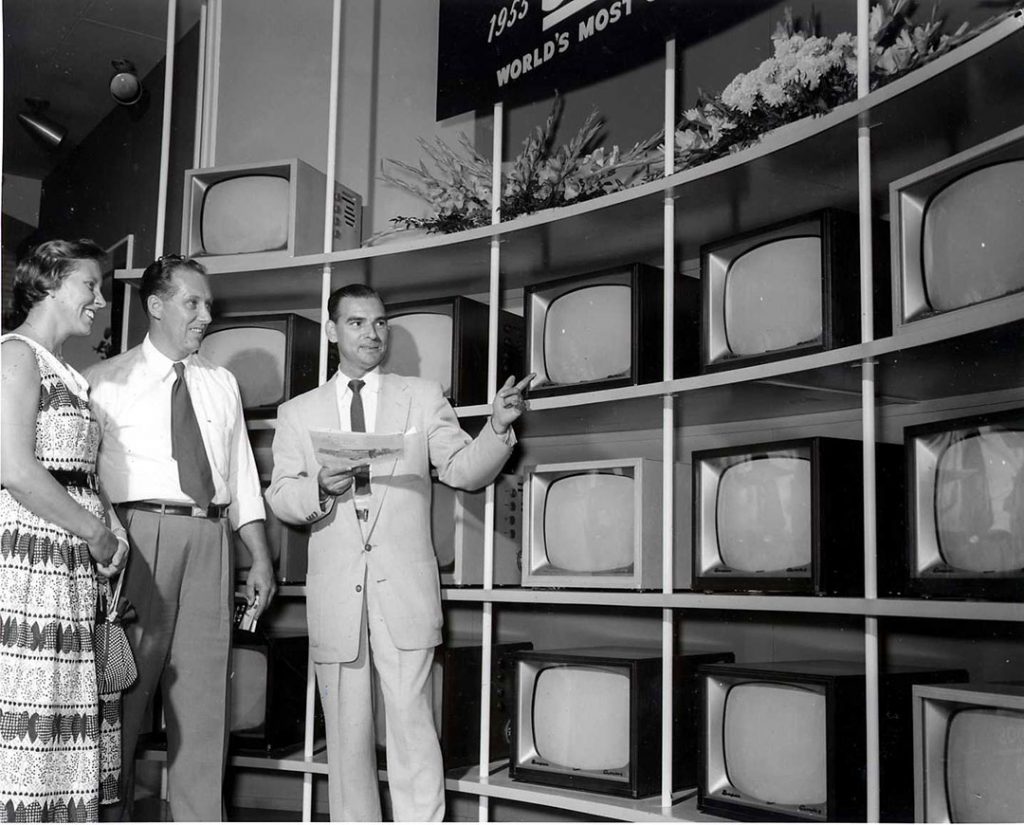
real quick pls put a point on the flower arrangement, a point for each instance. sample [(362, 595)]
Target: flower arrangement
[(541, 176), (807, 75)]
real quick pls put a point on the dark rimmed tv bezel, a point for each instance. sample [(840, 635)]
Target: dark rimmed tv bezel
[(646, 284), (905, 580), (933, 707), (843, 683), (840, 289), (301, 357), (470, 328), (283, 728), (909, 198), (837, 549), (461, 663), (644, 671)]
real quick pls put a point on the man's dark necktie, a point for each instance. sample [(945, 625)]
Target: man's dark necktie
[(359, 426), (194, 474)]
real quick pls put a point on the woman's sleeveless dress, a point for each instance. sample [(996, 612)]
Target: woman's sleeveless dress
[(49, 709)]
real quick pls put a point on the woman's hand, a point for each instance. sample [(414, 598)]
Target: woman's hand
[(103, 544), (120, 557)]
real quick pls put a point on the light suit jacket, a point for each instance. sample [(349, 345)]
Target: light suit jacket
[(400, 562)]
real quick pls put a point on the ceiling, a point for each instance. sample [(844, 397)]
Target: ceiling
[(61, 50)]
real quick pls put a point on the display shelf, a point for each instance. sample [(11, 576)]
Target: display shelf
[(819, 605), (291, 763), (498, 785), (285, 289)]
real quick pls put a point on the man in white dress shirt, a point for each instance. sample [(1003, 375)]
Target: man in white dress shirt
[(180, 489)]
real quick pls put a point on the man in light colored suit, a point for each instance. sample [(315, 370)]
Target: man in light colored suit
[(372, 588)]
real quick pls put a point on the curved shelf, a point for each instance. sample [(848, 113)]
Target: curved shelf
[(800, 167), (498, 785), (821, 605)]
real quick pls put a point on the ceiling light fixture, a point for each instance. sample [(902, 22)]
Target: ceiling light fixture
[(46, 131), (125, 86)]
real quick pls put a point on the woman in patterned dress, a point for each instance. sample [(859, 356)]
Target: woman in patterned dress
[(57, 534)]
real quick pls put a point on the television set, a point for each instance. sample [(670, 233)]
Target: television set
[(268, 692), (269, 212), (601, 329), (955, 227), (787, 289), (787, 740), (787, 516), (457, 528), (590, 719), (593, 524), (968, 753), (289, 550), (274, 357), (455, 676), (965, 501), (267, 689), (446, 340)]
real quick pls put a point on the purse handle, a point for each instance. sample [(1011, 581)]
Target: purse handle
[(115, 598)]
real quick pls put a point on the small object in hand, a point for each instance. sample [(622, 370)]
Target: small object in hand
[(245, 613)]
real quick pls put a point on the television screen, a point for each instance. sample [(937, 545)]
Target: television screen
[(273, 357), (786, 740), (786, 516), (786, 726), (269, 212), (966, 499), (457, 528), (955, 231), (445, 340), (593, 524), (559, 695), (456, 702), (603, 329), (968, 749), (249, 213), (787, 289)]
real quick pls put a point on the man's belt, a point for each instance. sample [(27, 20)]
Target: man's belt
[(214, 511)]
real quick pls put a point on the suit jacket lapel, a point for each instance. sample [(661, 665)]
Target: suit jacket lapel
[(392, 417)]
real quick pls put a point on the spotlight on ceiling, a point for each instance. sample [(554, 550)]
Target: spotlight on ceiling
[(125, 86), (48, 132)]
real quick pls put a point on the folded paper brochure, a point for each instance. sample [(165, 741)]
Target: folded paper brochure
[(336, 449)]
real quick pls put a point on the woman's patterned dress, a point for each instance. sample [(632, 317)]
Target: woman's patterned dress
[(49, 709)]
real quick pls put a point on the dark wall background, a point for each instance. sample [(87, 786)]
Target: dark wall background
[(107, 187)]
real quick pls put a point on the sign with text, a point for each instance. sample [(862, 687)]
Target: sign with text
[(522, 50)]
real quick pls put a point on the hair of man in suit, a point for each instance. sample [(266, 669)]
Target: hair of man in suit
[(349, 291), (157, 277)]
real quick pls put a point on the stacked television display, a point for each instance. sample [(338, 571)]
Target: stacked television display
[(777, 517)]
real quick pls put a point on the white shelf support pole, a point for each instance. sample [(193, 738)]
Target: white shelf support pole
[(871, 633), (668, 433), (487, 612), (201, 70), (165, 135)]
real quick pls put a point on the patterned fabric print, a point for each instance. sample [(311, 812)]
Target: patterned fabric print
[(49, 711)]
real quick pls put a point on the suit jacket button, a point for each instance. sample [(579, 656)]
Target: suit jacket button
[(359, 588), (367, 548)]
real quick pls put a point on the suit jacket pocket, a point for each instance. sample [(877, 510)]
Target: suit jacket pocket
[(411, 602)]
